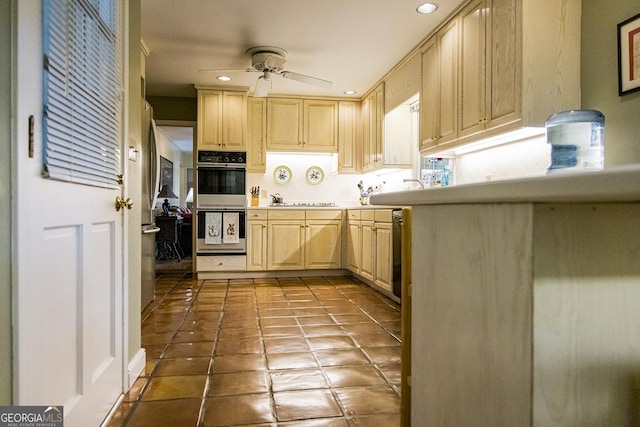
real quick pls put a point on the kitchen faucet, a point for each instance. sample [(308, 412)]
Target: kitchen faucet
[(419, 181)]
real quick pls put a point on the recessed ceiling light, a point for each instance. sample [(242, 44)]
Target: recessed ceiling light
[(427, 8), (224, 78), (349, 92)]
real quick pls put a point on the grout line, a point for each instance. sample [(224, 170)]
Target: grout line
[(288, 288)]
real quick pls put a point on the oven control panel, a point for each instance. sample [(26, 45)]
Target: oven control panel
[(222, 157)]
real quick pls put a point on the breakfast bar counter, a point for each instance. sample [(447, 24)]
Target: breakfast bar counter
[(525, 301), (621, 184)]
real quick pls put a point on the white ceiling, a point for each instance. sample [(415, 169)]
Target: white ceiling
[(352, 43)]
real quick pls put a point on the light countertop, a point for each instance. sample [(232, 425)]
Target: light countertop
[(319, 208), (619, 184)]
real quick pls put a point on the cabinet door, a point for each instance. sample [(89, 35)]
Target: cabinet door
[(472, 68), (347, 137), (383, 266), (439, 97), (429, 96), (354, 246), (372, 122), (368, 250), (503, 103), (209, 120), (377, 122), (320, 125), (367, 160), (257, 135), (284, 125), (256, 245), (448, 71), (234, 122), (285, 245), (323, 244)]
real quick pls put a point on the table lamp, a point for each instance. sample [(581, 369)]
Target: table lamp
[(189, 199), (166, 193)]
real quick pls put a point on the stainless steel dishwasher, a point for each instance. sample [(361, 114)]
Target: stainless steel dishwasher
[(396, 229)]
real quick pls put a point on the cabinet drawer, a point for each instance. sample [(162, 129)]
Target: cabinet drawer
[(367, 214), (279, 213), (324, 214), (258, 214), (353, 214), (222, 263), (382, 215)]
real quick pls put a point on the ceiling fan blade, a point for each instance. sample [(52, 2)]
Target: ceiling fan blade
[(218, 70), (307, 79), (263, 85)]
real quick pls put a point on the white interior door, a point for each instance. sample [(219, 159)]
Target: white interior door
[(68, 292)]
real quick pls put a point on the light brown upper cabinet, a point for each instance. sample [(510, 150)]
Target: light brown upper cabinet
[(372, 129), (512, 64), (222, 118), (302, 125), (438, 109), (348, 137), (256, 135)]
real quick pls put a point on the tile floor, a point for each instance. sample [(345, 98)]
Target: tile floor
[(322, 351)]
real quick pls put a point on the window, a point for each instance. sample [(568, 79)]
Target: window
[(83, 87)]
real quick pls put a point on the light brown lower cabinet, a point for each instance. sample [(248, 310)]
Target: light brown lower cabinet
[(292, 239), (525, 314), (370, 246)]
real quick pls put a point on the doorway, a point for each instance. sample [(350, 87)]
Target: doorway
[(175, 142)]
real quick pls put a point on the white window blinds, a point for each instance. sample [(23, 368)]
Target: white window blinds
[(83, 78)]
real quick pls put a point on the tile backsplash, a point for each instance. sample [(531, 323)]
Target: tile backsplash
[(519, 159), (340, 189)]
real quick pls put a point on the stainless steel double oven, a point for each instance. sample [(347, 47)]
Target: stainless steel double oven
[(221, 193)]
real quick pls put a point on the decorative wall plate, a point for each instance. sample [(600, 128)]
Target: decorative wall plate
[(315, 175), (282, 174)]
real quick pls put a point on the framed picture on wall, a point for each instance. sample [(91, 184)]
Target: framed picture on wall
[(189, 178), (629, 55), (166, 173)]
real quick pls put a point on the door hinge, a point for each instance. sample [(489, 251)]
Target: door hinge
[(31, 138)]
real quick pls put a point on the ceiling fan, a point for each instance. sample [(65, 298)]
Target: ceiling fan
[(269, 61)]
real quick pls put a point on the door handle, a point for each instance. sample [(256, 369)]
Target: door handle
[(121, 203)]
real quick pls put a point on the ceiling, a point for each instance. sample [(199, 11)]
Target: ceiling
[(181, 136), (352, 43)]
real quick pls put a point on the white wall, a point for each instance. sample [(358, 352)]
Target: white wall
[(170, 151), (599, 50)]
